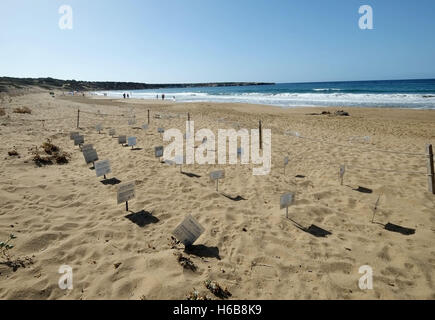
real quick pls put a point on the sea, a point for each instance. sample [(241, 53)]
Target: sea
[(409, 94)]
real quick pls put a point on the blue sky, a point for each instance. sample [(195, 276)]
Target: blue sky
[(165, 41)]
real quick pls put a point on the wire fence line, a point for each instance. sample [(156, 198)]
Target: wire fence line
[(103, 114), (364, 149), (351, 166), (73, 117)]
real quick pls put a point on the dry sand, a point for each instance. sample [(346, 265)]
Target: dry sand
[(64, 215)]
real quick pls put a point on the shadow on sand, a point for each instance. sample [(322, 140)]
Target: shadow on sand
[(237, 198), (190, 175), (363, 190), (111, 182), (313, 230), (203, 251), (142, 218), (399, 229)]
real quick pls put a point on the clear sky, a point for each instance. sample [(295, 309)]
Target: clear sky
[(164, 41)]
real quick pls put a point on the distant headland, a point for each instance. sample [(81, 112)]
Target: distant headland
[(8, 84)]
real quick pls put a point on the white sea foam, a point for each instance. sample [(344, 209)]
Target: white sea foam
[(416, 101)]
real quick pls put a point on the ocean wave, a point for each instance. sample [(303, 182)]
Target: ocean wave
[(289, 99), (327, 89)]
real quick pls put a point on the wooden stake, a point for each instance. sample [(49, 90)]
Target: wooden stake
[(188, 120), (126, 206), (375, 208), (261, 135), (78, 118), (148, 116), (430, 169)]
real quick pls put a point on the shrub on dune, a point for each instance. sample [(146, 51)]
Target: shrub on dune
[(48, 154), (23, 110)]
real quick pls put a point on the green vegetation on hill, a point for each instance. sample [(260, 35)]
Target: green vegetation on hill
[(7, 83)]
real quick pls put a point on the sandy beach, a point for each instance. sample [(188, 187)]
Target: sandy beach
[(65, 215)]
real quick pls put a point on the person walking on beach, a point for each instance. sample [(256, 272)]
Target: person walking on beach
[(124, 95), (163, 96)]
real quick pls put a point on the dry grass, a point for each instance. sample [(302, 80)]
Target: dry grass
[(186, 263), (13, 153), (195, 295), (23, 110), (40, 160), (61, 157), (50, 148), (217, 290), (49, 154)]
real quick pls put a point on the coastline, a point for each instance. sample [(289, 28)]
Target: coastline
[(65, 215)]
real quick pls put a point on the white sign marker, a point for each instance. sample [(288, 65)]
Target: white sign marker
[(99, 127), (73, 134), (112, 132), (292, 133), (102, 168), (131, 141), (188, 231), (87, 147), (285, 163), (158, 151), (365, 139), (79, 140), (216, 175), (90, 155), (122, 139), (286, 201), (342, 172), (126, 192)]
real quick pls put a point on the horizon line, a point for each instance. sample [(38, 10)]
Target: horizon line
[(218, 82)]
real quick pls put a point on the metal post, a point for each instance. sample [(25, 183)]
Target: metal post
[(430, 169)]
